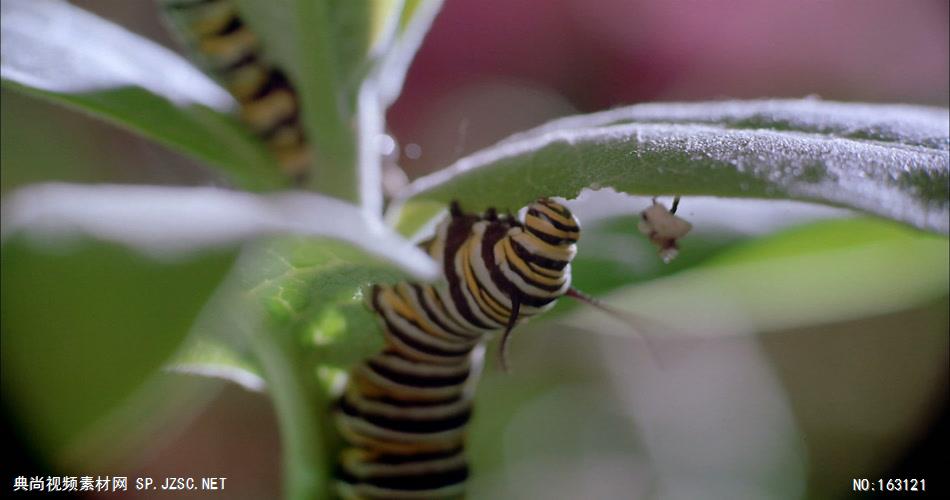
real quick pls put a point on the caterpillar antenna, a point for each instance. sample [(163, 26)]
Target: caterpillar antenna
[(627, 318)]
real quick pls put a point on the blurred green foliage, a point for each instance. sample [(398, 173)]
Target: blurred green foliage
[(84, 326)]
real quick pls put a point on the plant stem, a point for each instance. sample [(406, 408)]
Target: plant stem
[(329, 121), (300, 405)]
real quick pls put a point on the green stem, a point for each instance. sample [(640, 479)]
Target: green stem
[(300, 405), (329, 123)]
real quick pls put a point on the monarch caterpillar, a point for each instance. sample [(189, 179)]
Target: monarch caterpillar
[(230, 51), (404, 411)]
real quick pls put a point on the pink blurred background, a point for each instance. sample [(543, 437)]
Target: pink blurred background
[(489, 68)]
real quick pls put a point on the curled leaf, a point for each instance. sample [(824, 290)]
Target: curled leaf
[(171, 221), (890, 161)]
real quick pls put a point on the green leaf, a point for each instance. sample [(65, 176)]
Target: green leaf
[(317, 289), (312, 288), (167, 221), (820, 273), (208, 357), (297, 301), (896, 123), (891, 161), (58, 52), (289, 298), (85, 325)]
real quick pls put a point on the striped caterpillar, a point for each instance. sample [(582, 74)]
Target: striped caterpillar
[(405, 410), (230, 52)]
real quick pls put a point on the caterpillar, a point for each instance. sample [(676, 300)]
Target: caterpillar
[(231, 53), (404, 411)]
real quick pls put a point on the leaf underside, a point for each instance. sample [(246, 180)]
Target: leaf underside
[(58, 52), (891, 161)]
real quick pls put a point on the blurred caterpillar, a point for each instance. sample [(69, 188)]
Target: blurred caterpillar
[(230, 52), (405, 410)]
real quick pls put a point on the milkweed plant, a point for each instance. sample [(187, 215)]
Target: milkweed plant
[(111, 292)]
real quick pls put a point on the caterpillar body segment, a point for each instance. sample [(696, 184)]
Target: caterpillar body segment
[(231, 53)]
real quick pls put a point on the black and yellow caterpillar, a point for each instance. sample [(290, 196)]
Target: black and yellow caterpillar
[(231, 53), (404, 411)]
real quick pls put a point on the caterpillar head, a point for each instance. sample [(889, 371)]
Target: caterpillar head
[(553, 223)]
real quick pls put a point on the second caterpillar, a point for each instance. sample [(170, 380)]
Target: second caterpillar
[(231, 52)]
